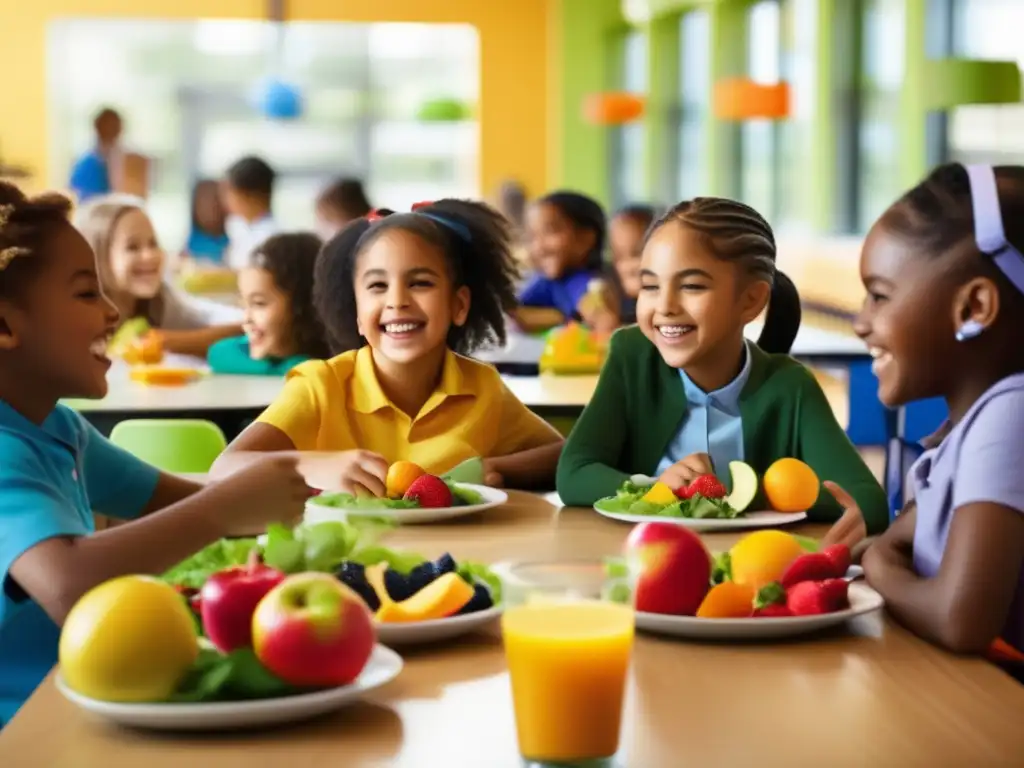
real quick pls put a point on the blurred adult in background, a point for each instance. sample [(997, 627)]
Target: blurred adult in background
[(246, 192), (340, 202), (91, 174)]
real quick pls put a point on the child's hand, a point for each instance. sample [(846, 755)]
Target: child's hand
[(270, 490), (850, 529), (360, 473), (492, 478), (685, 471)]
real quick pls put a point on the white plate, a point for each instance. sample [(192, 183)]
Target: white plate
[(749, 520), (863, 599), (435, 630), (383, 666), (492, 497)]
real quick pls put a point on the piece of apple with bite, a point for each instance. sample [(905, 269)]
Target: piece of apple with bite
[(744, 486)]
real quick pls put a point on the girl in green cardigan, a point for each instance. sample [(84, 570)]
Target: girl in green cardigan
[(282, 328), (682, 393)]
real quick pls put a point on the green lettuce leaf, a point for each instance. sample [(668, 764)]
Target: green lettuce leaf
[(478, 572), (222, 554), (233, 677)]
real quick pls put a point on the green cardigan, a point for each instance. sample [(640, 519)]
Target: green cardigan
[(231, 356), (639, 404)]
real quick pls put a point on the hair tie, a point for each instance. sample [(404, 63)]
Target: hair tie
[(989, 234), (456, 227)]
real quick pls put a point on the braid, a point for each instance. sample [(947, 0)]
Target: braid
[(25, 223)]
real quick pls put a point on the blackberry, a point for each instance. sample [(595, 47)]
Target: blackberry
[(444, 564), (354, 575), (399, 587), (420, 576), (480, 601)]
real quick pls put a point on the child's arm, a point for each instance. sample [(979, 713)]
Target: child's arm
[(527, 448), (591, 464), (537, 319), (824, 446), (195, 342)]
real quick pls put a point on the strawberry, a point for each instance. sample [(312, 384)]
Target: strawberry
[(431, 492), (839, 554), (816, 566), (810, 598), (773, 611), (708, 486)]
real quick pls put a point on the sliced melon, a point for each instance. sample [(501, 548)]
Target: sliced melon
[(744, 485)]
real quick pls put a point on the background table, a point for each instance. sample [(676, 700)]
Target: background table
[(871, 696)]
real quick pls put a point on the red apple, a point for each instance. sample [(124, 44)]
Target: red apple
[(228, 599), (673, 568), (313, 631)]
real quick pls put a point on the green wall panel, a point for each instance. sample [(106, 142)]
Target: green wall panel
[(953, 82)]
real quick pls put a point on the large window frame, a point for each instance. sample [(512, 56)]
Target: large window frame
[(626, 142)]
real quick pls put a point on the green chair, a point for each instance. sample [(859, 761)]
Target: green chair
[(173, 445)]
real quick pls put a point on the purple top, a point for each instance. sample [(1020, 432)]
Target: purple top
[(979, 461), (563, 294)]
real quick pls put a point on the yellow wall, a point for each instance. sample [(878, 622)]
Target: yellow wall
[(513, 60)]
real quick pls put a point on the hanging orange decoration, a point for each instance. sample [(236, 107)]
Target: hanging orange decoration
[(743, 99), (613, 108)]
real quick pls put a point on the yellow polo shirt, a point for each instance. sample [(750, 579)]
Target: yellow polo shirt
[(338, 405)]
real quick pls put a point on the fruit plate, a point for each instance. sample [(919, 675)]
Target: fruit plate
[(863, 599), (383, 666), (492, 497), (435, 630), (746, 521)]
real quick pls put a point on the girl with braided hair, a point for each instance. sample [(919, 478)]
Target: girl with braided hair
[(683, 393)]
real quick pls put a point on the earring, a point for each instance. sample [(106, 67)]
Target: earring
[(971, 329)]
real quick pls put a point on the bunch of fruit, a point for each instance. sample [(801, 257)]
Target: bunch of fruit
[(431, 590), (134, 639), (766, 574), (410, 482), (573, 349)]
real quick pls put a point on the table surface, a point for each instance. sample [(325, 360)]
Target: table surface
[(870, 695), (226, 393)]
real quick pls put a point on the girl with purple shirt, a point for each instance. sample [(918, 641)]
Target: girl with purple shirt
[(944, 272), (565, 239)]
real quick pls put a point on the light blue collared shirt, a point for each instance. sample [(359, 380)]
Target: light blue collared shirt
[(52, 477), (712, 424)]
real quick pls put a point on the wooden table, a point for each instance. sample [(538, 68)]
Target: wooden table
[(872, 695)]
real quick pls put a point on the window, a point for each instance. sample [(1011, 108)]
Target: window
[(987, 29), (695, 101), (184, 89), (627, 140), (882, 56)]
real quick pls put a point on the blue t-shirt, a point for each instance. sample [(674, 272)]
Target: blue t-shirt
[(90, 176), (52, 477), (207, 247), (563, 294)]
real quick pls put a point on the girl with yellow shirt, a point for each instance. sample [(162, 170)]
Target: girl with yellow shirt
[(404, 297)]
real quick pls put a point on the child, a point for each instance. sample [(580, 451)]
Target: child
[(945, 280), (90, 176), (683, 394), (207, 239), (565, 233), (247, 191), (409, 294), (341, 202), (281, 326), (131, 267), (626, 236), (57, 469)]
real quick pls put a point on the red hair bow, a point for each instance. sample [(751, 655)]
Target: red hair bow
[(374, 215), (417, 206)]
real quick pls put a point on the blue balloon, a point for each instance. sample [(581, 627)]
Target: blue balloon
[(278, 100)]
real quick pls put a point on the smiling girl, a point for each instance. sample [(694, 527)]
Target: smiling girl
[(683, 393), (944, 272), (282, 328), (131, 266), (408, 294)]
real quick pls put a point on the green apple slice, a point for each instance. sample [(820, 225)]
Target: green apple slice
[(744, 485)]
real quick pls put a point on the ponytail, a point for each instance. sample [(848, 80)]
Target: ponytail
[(783, 319)]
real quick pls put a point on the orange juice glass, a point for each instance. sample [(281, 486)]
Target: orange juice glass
[(568, 663)]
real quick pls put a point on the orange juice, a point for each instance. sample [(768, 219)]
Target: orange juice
[(568, 664)]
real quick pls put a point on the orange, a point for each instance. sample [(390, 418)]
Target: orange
[(762, 557), (791, 486), (727, 600), (401, 475)]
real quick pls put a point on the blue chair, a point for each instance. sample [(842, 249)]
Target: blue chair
[(900, 454)]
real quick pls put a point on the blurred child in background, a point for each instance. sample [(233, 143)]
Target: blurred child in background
[(282, 328), (342, 201), (247, 191), (207, 238), (626, 237), (566, 237), (131, 264), (91, 175)]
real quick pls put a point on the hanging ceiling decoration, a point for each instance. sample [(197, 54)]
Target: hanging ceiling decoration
[(613, 108), (275, 98)]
